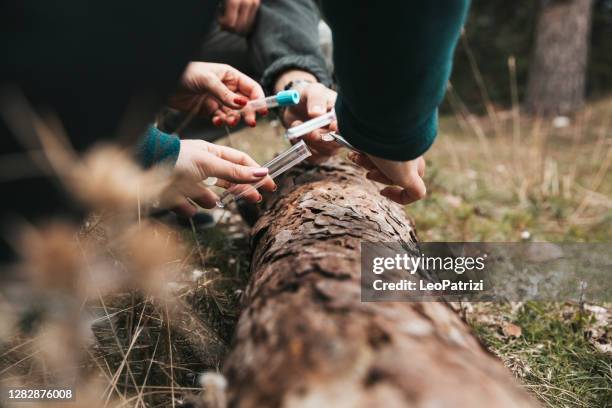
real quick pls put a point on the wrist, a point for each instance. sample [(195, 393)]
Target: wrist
[(291, 76)]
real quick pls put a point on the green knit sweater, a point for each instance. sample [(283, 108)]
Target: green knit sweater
[(157, 147)]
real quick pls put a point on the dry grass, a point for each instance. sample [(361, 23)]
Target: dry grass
[(132, 312), (507, 178), (125, 309)]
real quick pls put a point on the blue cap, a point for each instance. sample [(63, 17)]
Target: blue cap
[(288, 98)]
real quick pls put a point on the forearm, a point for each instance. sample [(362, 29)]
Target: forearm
[(393, 75)]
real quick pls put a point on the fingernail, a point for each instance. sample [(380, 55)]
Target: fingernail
[(260, 199), (275, 188), (264, 113), (233, 122), (241, 101), (217, 122), (260, 172), (252, 124), (316, 110)]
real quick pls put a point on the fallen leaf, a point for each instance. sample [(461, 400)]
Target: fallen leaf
[(512, 330)]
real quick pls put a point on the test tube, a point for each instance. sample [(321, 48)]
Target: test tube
[(310, 125), (283, 98), (281, 163)]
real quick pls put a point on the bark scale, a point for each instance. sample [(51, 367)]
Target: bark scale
[(305, 339)]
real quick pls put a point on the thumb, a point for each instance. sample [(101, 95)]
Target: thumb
[(316, 102)]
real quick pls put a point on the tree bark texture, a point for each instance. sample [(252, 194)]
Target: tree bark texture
[(557, 72), (305, 339)]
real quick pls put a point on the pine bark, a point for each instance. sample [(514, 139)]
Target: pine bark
[(557, 72), (305, 339)]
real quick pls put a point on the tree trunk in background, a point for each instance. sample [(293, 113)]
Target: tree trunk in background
[(305, 339), (557, 72)]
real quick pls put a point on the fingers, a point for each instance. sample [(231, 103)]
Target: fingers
[(252, 15), (246, 16), (416, 191), (238, 157), (204, 197), (376, 175), (373, 173), (214, 166), (333, 127), (321, 149), (250, 118), (246, 192), (362, 160), (233, 155), (185, 209), (217, 88), (210, 79), (239, 15), (421, 166), (209, 105), (225, 116), (235, 162), (224, 184), (249, 87), (230, 16), (405, 179), (315, 139), (316, 101)]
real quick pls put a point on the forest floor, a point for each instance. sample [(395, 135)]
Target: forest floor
[(504, 177), (511, 178)]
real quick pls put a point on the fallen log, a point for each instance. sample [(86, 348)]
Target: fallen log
[(305, 339)]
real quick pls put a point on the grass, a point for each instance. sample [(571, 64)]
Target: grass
[(552, 357), (530, 182), (543, 186), (510, 178), (497, 178)]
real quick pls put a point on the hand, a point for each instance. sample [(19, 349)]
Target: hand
[(315, 100), (239, 16), (199, 160), (405, 179), (218, 90)]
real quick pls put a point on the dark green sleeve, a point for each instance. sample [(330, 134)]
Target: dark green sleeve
[(392, 61), (157, 147), (286, 36)]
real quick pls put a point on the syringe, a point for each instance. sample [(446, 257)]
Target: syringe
[(310, 125), (283, 98), (281, 163)]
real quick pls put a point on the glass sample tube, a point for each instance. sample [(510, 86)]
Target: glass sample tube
[(310, 125), (281, 163), (283, 98)]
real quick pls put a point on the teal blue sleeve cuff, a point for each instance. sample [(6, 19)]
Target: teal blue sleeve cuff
[(157, 147), (399, 144)]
